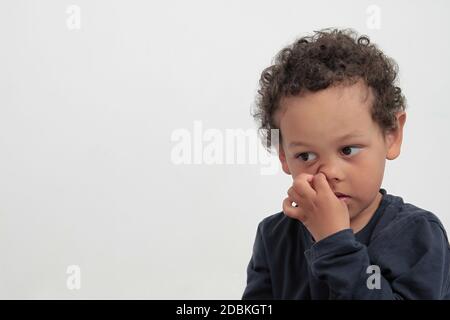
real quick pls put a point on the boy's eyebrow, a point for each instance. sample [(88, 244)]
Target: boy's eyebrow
[(346, 136)]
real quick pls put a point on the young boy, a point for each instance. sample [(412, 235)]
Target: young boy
[(333, 98)]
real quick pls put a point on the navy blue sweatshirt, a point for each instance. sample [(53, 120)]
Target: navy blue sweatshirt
[(402, 253)]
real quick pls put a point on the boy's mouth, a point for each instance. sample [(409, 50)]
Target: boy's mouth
[(341, 195)]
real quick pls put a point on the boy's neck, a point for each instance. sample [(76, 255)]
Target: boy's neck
[(363, 218)]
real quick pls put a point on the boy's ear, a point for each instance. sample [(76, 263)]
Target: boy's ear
[(282, 157), (395, 137)]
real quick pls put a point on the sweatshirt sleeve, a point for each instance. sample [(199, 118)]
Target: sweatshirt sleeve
[(413, 263), (259, 285)]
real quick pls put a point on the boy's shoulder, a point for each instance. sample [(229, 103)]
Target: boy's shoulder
[(399, 215), (273, 222)]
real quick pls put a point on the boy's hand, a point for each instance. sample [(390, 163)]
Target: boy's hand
[(318, 208)]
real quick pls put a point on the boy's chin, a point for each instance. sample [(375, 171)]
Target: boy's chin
[(352, 214)]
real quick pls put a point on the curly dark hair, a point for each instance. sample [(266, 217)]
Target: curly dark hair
[(328, 57)]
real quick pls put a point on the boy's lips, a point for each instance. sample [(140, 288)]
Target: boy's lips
[(343, 197), (339, 194)]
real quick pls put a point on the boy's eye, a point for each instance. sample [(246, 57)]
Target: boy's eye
[(304, 155)]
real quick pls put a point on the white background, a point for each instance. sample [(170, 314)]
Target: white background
[(86, 118)]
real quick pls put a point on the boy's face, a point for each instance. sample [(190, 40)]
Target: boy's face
[(354, 165)]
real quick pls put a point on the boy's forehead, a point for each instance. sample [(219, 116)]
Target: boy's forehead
[(340, 110)]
